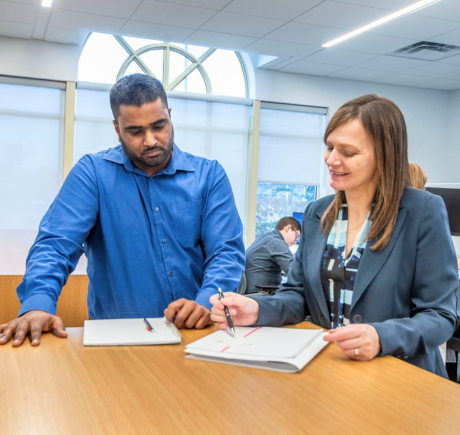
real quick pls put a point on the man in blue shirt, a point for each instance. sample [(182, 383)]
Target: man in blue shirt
[(159, 227)]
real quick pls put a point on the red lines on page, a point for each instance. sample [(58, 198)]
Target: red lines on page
[(249, 333), (223, 350)]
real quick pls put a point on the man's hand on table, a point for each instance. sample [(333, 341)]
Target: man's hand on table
[(34, 322), (188, 314)]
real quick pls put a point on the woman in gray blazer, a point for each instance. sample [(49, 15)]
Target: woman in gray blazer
[(376, 265)]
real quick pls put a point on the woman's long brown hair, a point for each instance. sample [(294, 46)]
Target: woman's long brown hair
[(384, 123)]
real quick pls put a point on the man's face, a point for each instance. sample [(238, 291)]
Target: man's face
[(290, 236), (146, 135)]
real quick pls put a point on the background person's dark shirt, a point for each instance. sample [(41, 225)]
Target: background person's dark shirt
[(265, 259)]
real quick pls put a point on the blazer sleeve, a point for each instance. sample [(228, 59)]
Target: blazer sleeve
[(433, 316), (288, 306)]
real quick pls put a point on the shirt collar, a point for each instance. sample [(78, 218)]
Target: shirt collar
[(178, 162)]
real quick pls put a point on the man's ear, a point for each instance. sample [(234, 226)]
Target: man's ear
[(117, 129), (169, 111)]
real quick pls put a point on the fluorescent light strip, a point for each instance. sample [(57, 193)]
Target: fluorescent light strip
[(393, 16), (47, 3)]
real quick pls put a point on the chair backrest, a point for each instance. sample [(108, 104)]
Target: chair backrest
[(243, 285)]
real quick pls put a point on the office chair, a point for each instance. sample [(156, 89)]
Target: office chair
[(265, 290)]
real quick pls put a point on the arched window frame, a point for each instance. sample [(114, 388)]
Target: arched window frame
[(197, 63)]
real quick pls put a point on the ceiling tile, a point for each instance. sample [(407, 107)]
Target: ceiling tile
[(172, 14), (335, 56), (280, 48), (403, 79), (16, 30), (416, 27), (72, 20), (305, 34), (442, 84), (454, 60), (18, 12), (452, 38), (224, 40), (285, 10), (378, 44), (54, 34), (111, 8), (354, 73), (435, 69), (445, 10), (207, 4), (316, 69), (391, 5), (392, 63), (41, 23), (341, 15), (155, 31), (28, 2), (238, 24)]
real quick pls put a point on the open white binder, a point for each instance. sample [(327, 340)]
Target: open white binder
[(129, 332), (281, 349)]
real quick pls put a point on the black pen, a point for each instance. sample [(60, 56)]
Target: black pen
[(227, 314), (148, 325)]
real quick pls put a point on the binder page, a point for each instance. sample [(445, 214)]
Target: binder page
[(128, 332), (263, 342)]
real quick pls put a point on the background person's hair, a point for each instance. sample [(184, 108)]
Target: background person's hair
[(136, 90), (384, 123), (417, 176), (288, 220)]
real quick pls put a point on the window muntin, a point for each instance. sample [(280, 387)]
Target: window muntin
[(200, 69)]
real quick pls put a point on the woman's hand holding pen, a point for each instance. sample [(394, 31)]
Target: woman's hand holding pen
[(244, 310), (360, 342)]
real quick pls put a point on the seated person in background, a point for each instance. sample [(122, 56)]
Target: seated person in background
[(417, 176), (159, 227), (376, 263), (270, 254)]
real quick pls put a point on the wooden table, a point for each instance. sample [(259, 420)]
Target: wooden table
[(62, 387)]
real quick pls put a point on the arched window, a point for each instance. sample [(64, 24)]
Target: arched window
[(180, 67)]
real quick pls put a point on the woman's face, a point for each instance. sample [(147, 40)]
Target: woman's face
[(350, 159)]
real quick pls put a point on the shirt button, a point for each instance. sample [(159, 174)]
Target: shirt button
[(157, 208), (171, 274), (164, 240), (357, 318)]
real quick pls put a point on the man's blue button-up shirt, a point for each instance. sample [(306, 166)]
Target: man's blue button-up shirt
[(149, 240)]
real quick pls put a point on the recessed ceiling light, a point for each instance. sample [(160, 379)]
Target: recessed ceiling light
[(412, 8), (47, 3)]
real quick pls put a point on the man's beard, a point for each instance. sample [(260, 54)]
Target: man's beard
[(151, 162)]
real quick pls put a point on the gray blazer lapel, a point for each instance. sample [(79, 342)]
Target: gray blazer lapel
[(315, 252), (371, 261)]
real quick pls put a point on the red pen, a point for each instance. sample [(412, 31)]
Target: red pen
[(148, 325)]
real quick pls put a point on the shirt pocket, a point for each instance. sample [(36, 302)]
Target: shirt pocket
[(187, 222)]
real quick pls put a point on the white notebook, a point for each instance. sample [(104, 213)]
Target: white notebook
[(129, 332), (281, 349)]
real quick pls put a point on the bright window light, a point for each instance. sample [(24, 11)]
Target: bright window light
[(412, 8), (47, 3)]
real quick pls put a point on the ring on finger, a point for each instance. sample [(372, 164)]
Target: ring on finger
[(357, 351)]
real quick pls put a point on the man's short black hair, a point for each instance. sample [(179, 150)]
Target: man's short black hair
[(288, 220), (136, 90)]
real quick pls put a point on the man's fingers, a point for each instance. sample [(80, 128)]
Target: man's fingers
[(6, 334), (35, 333), (19, 336), (58, 326), (183, 314), (203, 321), (173, 308), (193, 317)]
